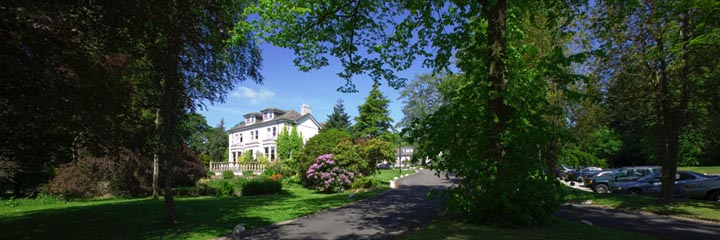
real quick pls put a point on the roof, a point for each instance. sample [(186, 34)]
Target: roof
[(289, 116)]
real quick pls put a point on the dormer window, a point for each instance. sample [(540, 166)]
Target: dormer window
[(268, 115), (250, 120)]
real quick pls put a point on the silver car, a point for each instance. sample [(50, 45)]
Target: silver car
[(708, 189)]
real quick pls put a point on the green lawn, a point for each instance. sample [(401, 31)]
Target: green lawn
[(447, 229), (713, 170), (690, 208), (201, 217), (385, 175)]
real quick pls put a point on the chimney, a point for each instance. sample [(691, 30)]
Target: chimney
[(305, 109)]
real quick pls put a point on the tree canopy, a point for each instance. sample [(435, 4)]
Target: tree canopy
[(338, 119), (373, 119)]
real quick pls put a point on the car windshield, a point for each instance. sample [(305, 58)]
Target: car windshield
[(647, 178), (603, 173)]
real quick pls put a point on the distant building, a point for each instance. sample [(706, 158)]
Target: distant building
[(258, 134), (404, 156)]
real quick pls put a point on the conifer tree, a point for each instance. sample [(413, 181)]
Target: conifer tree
[(374, 119), (339, 119)]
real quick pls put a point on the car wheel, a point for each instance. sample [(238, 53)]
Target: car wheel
[(714, 196), (580, 179), (601, 188), (634, 191)]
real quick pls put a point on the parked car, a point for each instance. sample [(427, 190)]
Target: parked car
[(591, 182), (707, 189), (603, 183), (581, 174), (562, 171), (383, 166), (652, 185)]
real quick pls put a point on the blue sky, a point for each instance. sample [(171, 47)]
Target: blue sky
[(285, 87)]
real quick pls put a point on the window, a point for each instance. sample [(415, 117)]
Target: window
[(268, 115), (241, 137), (269, 132), (234, 157), (274, 132), (684, 176), (257, 134), (267, 151), (252, 135), (272, 153), (250, 120)]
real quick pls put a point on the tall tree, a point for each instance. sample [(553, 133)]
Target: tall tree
[(338, 119), (96, 60), (289, 143), (491, 134), (373, 119), (420, 98), (660, 40)]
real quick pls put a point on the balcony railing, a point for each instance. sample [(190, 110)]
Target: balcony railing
[(236, 167)]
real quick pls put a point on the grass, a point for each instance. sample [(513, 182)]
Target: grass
[(681, 207), (385, 175), (712, 170), (200, 217), (447, 229)]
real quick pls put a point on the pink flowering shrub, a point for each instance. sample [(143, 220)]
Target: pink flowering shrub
[(326, 176)]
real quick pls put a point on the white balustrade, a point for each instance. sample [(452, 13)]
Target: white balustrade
[(236, 167)]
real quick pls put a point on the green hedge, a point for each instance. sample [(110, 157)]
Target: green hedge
[(260, 186), (231, 187)]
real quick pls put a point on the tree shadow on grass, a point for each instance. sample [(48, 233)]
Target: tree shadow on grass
[(679, 207), (200, 217)]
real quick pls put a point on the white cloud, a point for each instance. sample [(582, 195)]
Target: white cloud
[(253, 96)]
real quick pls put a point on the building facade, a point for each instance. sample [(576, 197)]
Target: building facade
[(258, 134), (404, 156)]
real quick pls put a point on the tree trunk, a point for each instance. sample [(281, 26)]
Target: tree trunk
[(170, 144), (500, 113), (673, 119), (156, 159)]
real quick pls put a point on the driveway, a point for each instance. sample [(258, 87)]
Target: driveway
[(382, 217)]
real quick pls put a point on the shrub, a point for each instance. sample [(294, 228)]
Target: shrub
[(222, 187), (260, 186), (364, 182), (276, 177), (325, 176), (211, 174), (317, 145), (227, 174), (271, 169), (247, 173)]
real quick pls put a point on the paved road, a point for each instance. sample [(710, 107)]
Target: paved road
[(381, 217), (662, 227)]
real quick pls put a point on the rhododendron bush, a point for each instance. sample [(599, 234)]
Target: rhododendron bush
[(326, 176)]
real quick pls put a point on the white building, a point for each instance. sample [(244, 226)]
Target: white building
[(404, 156), (258, 134)]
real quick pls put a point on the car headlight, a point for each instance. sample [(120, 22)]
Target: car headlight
[(618, 188), (590, 181)]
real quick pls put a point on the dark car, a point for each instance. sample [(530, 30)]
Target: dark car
[(383, 166), (603, 183), (581, 174), (651, 184), (562, 171), (591, 182)]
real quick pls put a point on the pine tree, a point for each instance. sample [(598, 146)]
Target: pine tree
[(339, 119), (374, 116)]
